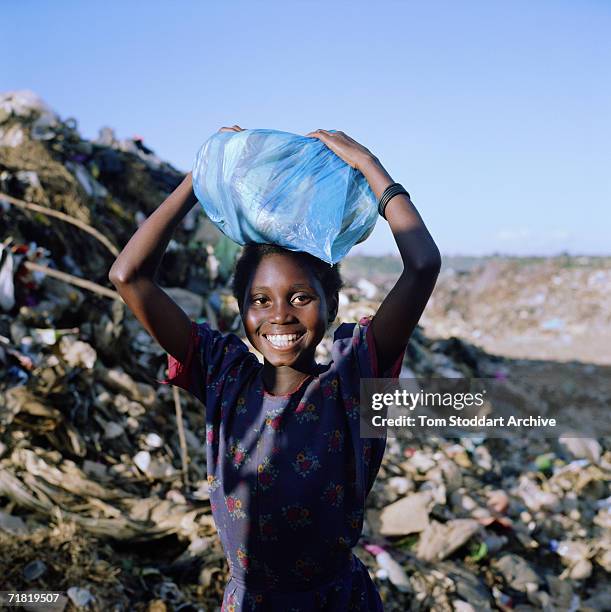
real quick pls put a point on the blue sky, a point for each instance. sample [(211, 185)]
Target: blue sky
[(496, 116)]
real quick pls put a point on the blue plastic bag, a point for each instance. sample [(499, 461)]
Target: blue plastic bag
[(274, 187)]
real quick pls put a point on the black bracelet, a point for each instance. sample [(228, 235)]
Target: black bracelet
[(390, 192)]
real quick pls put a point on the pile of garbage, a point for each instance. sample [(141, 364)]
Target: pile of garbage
[(546, 308), (103, 487)]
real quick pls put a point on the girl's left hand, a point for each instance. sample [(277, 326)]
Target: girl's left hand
[(346, 148)]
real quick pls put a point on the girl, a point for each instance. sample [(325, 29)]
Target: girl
[(288, 471)]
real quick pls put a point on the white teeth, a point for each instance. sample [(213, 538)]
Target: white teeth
[(282, 340)]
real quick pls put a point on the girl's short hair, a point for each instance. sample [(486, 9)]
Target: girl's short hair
[(328, 275)]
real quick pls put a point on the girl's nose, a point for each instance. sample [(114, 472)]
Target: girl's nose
[(281, 313)]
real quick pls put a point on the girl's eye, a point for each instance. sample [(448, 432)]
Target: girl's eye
[(301, 298)]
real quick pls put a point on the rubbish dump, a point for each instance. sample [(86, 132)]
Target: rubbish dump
[(103, 486), (545, 308)]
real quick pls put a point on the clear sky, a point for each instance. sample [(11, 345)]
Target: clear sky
[(495, 115)]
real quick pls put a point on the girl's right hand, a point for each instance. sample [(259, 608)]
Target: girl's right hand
[(233, 128)]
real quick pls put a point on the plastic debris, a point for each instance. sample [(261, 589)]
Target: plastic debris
[(581, 448), (408, 515), (517, 573), (79, 596), (153, 440), (91, 481), (12, 524), (34, 570), (393, 570), (440, 540), (77, 353), (7, 287)]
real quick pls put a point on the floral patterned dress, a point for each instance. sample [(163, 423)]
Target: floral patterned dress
[(288, 474)]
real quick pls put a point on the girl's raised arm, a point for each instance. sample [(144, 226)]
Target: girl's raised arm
[(134, 271), (402, 308)]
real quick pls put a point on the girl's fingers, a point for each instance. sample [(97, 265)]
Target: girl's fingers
[(318, 134), (233, 128)]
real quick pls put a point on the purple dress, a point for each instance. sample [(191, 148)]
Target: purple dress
[(288, 474)]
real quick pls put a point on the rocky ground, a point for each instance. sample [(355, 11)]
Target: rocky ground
[(103, 488)]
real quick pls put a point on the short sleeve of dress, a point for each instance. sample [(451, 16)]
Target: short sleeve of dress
[(209, 356), (354, 355), (361, 351)]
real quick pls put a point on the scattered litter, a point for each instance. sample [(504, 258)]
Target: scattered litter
[(79, 596), (440, 540), (91, 464), (517, 573), (34, 570), (389, 568)]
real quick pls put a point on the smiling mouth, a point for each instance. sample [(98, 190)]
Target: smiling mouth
[(283, 341)]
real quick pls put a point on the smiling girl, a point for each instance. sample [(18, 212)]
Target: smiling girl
[(288, 471)]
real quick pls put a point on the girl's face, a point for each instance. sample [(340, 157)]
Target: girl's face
[(285, 311)]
